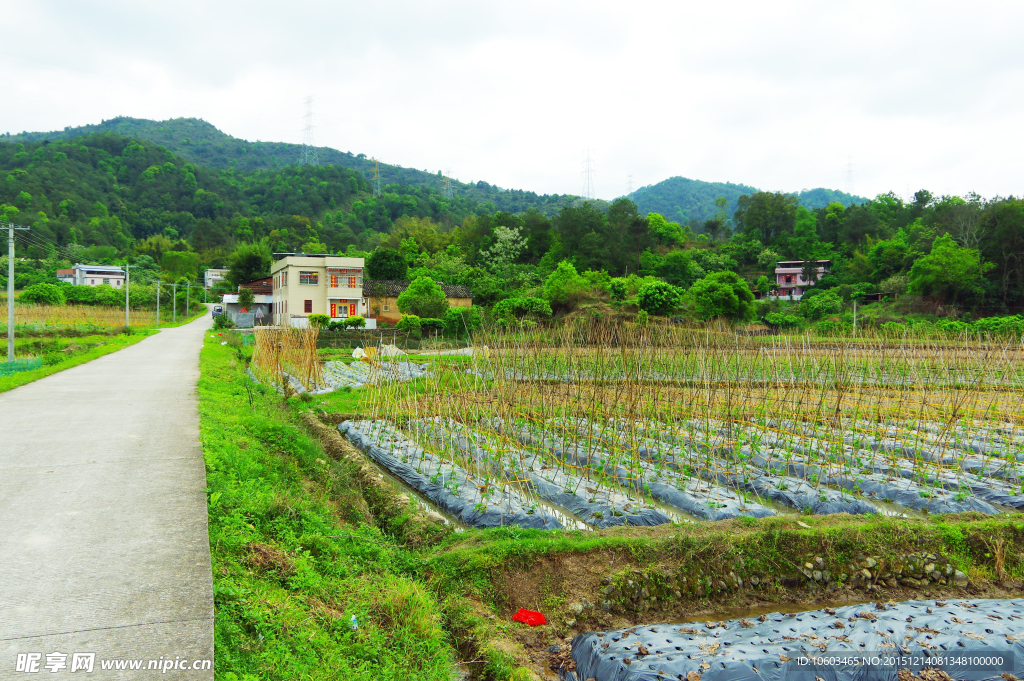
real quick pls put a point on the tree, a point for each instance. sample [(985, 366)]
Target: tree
[(248, 262), (722, 294), (823, 304), (658, 298), (679, 269), (43, 294), (505, 250), (423, 298), (246, 298), (521, 308), (947, 271), (630, 231), (180, 264), (459, 320), (809, 272), (767, 216), (386, 263), (665, 232), (565, 286)]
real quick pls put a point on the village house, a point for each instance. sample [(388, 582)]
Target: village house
[(305, 284), (211, 276), (93, 275), (789, 277), (263, 294), (382, 296)]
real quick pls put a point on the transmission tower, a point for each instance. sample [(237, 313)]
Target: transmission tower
[(629, 185), (588, 175), (309, 153), (449, 188), (376, 177)]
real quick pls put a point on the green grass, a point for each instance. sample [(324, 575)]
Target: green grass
[(107, 346), (297, 552)]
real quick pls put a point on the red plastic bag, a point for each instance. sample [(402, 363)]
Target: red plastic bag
[(534, 619)]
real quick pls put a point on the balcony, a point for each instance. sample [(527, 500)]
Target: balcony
[(344, 292)]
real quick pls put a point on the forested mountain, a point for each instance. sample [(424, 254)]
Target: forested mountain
[(200, 143), (104, 196), (682, 199)]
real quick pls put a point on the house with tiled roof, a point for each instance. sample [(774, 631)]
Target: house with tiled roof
[(382, 297)]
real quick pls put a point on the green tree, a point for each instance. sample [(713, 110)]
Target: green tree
[(246, 298), (248, 262), (767, 216), (423, 298), (823, 304), (722, 294), (43, 294), (947, 271), (565, 286), (658, 298), (180, 264), (679, 269), (386, 263), (460, 320)]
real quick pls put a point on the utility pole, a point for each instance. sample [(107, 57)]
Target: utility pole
[(126, 285), (158, 304), (855, 319), (174, 307), (10, 290), (188, 287)]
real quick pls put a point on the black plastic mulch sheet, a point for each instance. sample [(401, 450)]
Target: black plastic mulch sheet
[(554, 485), (970, 640), (443, 483)]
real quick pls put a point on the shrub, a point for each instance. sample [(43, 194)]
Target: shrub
[(423, 298), (80, 295), (354, 322), (617, 288), (565, 287), (44, 294), (428, 324), (658, 298), (318, 320), (786, 321), (642, 318), (222, 321), (246, 298), (521, 308), (722, 294), (822, 304), (408, 322), (893, 329), (458, 320)]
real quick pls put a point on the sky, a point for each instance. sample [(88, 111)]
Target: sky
[(865, 96)]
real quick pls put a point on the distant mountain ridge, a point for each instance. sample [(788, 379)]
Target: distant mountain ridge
[(681, 199), (197, 141)]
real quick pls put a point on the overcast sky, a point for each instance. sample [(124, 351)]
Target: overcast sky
[(780, 95)]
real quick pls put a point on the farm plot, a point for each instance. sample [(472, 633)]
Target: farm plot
[(978, 639), (704, 427)]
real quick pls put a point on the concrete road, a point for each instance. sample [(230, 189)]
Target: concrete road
[(103, 535)]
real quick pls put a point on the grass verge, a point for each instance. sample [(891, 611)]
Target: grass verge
[(297, 552)]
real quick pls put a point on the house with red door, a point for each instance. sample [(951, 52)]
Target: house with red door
[(790, 280), (305, 283)]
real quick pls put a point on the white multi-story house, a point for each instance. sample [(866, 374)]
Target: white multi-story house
[(212, 276), (93, 275), (305, 284)]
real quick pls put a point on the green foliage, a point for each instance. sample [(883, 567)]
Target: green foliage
[(521, 308), (246, 298), (432, 325), (248, 262), (642, 318), (318, 320), (617, 288), (658, 298), (222, 321), (354, 322), (423, 298), (821, 304), (947, 271), (828, 328), (180, 264), (408, 322), (565, 287), (764, 284), (460, 320), (44, 294), (786, 321), (386, 263), (722, 294), (679, 269)]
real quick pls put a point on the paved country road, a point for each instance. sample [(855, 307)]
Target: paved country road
[(103, 536)]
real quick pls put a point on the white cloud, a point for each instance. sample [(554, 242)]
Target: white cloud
[(777, 95)]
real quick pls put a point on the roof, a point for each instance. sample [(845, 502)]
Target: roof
[(797, 262), (394, 288), (69, 272), (264, 285), (113, 269)]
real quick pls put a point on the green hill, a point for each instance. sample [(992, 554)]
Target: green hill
[(681, 199), (198, 142)]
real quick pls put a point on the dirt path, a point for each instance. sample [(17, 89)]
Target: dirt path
[(103, 529)]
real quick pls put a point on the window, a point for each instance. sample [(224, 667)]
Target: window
[(387, 308), (334, 281), (312, 278), (789, 279), (307, 306), (351, 282), (106, 281)]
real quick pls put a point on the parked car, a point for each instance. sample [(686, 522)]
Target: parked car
[(218, 310)]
